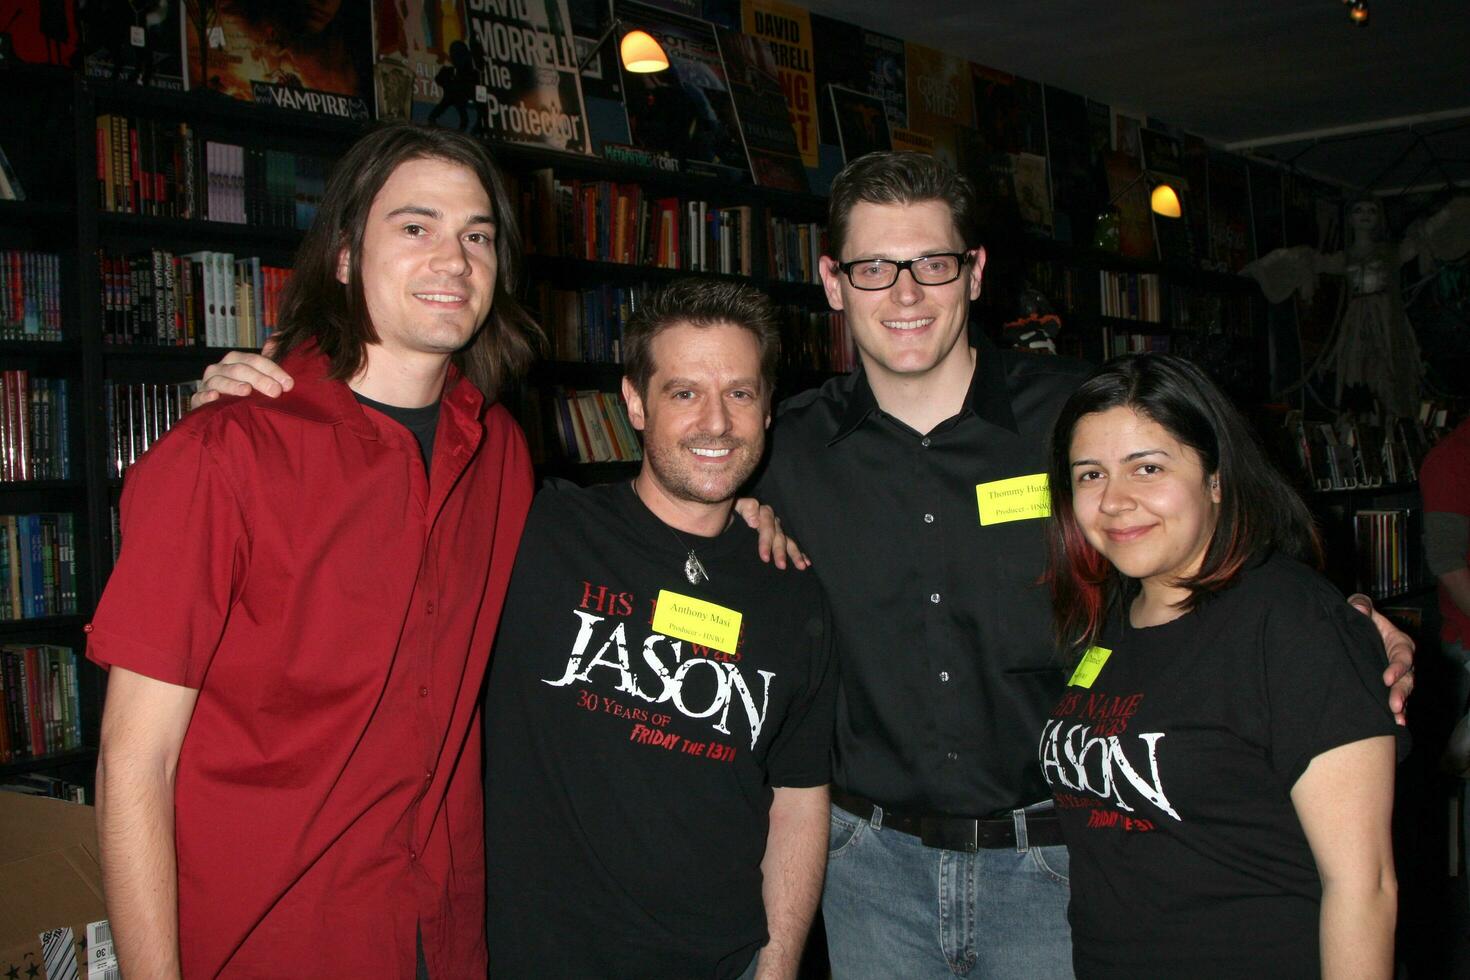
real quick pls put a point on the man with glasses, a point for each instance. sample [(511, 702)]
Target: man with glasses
[(917, 486)]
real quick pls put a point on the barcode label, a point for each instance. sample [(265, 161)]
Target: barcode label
[(58, 950), (101, 957)]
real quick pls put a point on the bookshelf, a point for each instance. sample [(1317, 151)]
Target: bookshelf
[(119, 373), (594, 246), (1112, 304), (51, 704)]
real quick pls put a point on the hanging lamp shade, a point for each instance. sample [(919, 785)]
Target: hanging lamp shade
[(641, 53), (1165, 201)]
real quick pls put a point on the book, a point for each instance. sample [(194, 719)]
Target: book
[(39, 705), (138, 414), (1069, 154), (1229, 214), (39, 578), (299, 57), (760, 106), (1130, 204), (787, 28), (862, 122), (687, 112), (528, 88), (422, 65)]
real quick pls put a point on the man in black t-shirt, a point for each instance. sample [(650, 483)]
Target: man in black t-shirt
[(659, 712)]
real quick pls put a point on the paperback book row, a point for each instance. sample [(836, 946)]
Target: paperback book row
[(138, 415), (1383, 540), (202, 299), (588, 427), (812, 341), (584, 324), (1116, 342), (602, 221), (39, 701), (30, 295), (35, 416), (1202, 311), (1131, 295), (166, 170), (43, 784), (37, 566), (1347, 454), (794, 250), (1057, 282)]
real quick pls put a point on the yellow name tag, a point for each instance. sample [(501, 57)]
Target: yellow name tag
[(1090, 667), (697, 621), (1020, 498)]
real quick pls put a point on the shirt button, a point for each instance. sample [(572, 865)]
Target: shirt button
[(413, 855), (934, 597), (429, 776), (423, 692), (924, 442), (952, 756), (928, 518), (944, 676), (429, 608)]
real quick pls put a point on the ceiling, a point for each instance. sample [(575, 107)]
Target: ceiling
[(1245, 74)]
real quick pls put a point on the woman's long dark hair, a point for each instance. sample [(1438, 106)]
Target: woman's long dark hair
[(1259, 512), (316, 306)]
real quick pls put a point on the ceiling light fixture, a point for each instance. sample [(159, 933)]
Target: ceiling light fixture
[(1358, 12)]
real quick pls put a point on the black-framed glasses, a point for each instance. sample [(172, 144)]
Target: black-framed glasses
[(927, 270)]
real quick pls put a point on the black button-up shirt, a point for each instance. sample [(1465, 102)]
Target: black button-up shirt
[(948, 668)]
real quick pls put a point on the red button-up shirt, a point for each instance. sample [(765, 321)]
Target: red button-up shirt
[(335, 610)]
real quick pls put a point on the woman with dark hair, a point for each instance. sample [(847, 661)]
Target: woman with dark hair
[(1223, 756)]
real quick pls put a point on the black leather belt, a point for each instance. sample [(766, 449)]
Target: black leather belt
[(958, 833)]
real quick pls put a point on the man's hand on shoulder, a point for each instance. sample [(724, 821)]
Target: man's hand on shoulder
[(773, 543), (1398, 676), (239, 373)]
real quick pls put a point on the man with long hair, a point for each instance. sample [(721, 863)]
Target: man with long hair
[(301, 615)]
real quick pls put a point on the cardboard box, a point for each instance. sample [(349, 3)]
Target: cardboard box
[(50, 882)]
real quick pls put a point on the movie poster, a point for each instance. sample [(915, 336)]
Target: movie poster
[(789, 30), (311, 57), (529, 90), (770, 142), (134, 41), (423, 44), (862, 122), (685, 112)]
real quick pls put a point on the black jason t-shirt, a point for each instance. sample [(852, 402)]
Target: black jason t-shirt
[(1173, 772), (630, 772)]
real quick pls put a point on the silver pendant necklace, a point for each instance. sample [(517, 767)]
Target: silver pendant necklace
[(693, 567)]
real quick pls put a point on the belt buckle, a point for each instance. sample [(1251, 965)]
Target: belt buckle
[(950, 834)]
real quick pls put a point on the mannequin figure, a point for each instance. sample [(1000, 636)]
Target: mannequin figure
[(1373, 343)]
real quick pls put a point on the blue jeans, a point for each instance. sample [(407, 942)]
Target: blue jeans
[(895, 908)]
